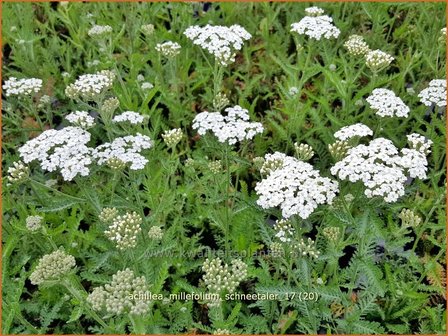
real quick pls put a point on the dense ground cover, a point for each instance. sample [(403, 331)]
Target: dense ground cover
[(338, 230)]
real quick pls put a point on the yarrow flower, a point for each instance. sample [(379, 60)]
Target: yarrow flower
[(168, 49), (81, 119), (33, 223), (221, 277), (52, 266), (356, 45), (304, 152), (147, 29), (296, 187), (409, 218), (22, 87), (215, 166), (220, 41), (220, 101), (314, 11), (130, 117), (377, 60), (284, 230), (306, 247), (339, 149), (293, 90), (435, 93), (315, 25), (125, 149), (63, 150), (99, 31), (90, 86), (124, 229), (386, 104), (155, 233), (231, 128), (147, 86), (172, 137), (419, 143), (381, 168), (332, 233), (355, 130), (107, 215), (18, 173), (121, 295)]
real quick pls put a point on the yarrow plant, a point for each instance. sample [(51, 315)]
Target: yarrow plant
[(377, 60), (386, 104), (81, 119), (130, 117), (315, 25), (356, 45), (99, 31), (52, 267), (231, 128), (64, 150), (220, 41), (90, 86), (22, 87), (435, 93), (356, 130), (296, 187), (168, 49)]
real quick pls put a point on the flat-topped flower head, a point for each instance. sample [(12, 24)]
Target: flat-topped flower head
[(168, 49), (63, 150), (315, 25), (34, 223), (304, 152), (99, 31), (435, 93), (124, 149), (22, 87), (296, 187), (123, 295), (381, 168), (283, 230), (52, 267), (81, 119), (124, 229), (230, 128), (147, 29), (220, 277), (386, 104), (17, 173), (172, 137), (377, 60), (90, 86), (355, 130), (129, 117), (220, 41), (356, 45)]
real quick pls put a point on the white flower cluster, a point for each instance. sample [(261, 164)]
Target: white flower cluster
[(284, 230), (168, 49), (443, 31), (63, 149), (121, 296), (316, 25), (293, 90), (125, 149), (98, 30), (22, 87), (376, 60), (381, 168), (129, 116), (296, 187), (314, 11), (81, 119), (435, 93), (222, 332), (220, 101), (386, 104), (270, 162), (221, 277), (52, 266), (231, 128), (220, 41), (90, 86), (172, 137), (355, 130), (419, 143), (356, 45), (147, 86), (339, 149), (124, 229), (18, 172), (107, 215), (303, 151), (33, 223), (215, 166), (155, 233)]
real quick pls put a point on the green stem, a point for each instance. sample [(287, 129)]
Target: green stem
[(138, 325), (227, 205)]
